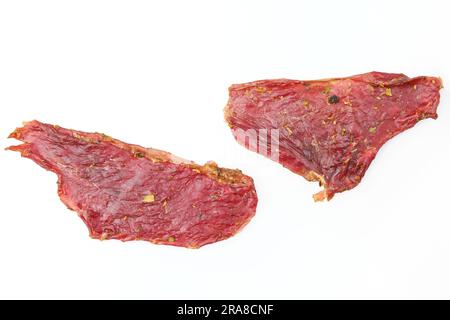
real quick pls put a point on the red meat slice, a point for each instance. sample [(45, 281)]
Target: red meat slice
[(330, 130), (127, 192)]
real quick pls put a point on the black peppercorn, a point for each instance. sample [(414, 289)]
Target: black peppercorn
[(333, 99)]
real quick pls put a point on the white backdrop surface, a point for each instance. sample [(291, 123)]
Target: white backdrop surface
[(156, 73)]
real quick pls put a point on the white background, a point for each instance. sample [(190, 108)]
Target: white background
[(156, 73)]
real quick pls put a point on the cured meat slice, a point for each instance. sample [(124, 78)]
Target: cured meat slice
[(128, 192), (329, 130)]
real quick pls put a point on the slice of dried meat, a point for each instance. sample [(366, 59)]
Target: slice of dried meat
[(329, 130), (127, 192)]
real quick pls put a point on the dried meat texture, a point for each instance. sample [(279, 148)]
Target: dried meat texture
[(330, 130), (127, 192)]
